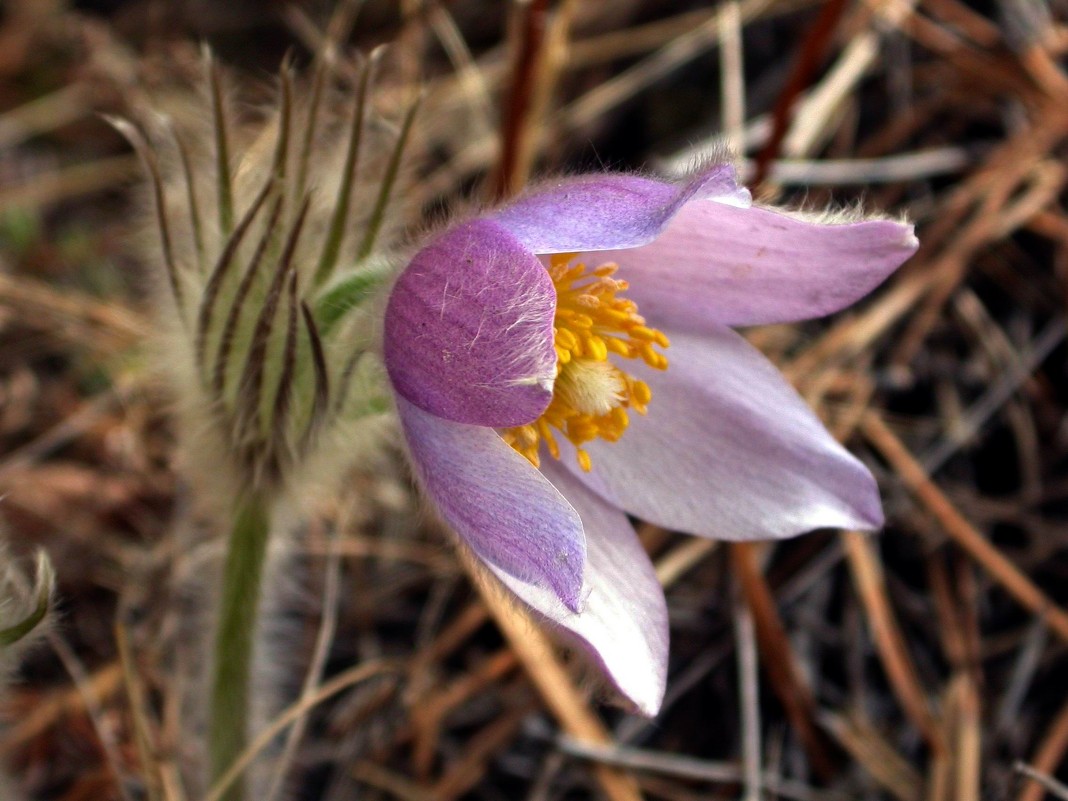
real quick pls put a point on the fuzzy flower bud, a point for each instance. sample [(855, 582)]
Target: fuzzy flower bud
[(271, 242)]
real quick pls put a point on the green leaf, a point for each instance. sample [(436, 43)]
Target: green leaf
[(349, 293), (46, 580)]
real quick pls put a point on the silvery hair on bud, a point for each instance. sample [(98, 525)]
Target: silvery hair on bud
[(253, 218)]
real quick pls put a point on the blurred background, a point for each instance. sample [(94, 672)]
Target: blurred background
[(928, 662)]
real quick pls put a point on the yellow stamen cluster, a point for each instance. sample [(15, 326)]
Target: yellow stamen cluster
[(591, 395)]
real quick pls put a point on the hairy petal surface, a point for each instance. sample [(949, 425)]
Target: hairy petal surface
[(729, 450), (718, 265), (498, 503), (623, 625), (605, 212), (469, 329)]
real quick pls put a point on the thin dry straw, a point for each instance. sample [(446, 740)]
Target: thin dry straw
[(321, 652), (135, 693), (340, 682)]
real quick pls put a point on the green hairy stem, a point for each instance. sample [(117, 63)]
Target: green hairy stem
[(238, 610)]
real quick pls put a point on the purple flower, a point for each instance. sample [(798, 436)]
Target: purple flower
[(545, 394)]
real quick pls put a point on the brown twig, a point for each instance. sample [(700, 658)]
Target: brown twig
[(813, 48), (779, 660), (551, 680), (1010, 577)]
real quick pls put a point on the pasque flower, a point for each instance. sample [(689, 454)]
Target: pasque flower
[(567, 360)]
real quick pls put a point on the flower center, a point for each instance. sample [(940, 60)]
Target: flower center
[(591, 395)]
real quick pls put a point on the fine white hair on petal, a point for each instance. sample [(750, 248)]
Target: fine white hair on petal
[(468, 330), (522, 341)]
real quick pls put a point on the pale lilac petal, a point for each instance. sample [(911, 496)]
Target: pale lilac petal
[(601, 212), (469, 329), (730, 451), (498, 503), (623, 625), (717, 264)]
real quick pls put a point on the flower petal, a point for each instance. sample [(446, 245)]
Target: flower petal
[(602, 212), (717, 264), (498, 503), (623, 625), (469, 329), (729, 450)]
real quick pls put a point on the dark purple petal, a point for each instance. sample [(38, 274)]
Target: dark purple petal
[(498, 503), (729, 450), (602, 212), (469, 329), (623, 625), (717, 264)]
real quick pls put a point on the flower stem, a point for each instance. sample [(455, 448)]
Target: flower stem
[(238, 609)]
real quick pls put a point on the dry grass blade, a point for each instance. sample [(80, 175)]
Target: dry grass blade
[(749, 701), (550, 678), (466, 772), (868, 578), (143, 735), (324, 638), (779, 660), (429, 712), (102, 685), (79, 319), (960, 530), (937, 649), (1042, 780), (540, 30), (1050, 753), (70, 182), (878, 758), (965, 731), (337, 684), (809, 56)]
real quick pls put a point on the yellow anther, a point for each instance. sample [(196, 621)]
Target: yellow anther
[(644, 333), (592, 395), (640, 392), (595, 347), (565, 339), (584, 460)]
